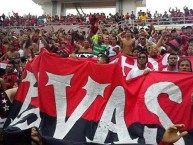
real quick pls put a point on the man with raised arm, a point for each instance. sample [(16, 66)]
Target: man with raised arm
[(127, 43)]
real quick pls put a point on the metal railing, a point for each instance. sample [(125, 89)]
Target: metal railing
[(161, 21)]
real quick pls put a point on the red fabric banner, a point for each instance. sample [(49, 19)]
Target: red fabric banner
[(99, 93)]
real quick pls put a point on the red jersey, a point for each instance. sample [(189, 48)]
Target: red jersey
[(10, 79)]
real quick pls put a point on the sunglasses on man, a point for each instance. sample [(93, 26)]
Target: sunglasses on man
[(143, 57)]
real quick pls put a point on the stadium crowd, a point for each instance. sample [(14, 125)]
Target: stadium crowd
[(100, 42), (168, 17)]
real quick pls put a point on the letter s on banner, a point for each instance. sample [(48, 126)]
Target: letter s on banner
[(154, 63), (151, 101)]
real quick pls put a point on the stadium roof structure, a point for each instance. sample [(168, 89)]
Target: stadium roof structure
[(58, 7)]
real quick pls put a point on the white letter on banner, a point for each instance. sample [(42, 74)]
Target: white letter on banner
[(150, 135), (32, 92), (165, 59), (151, 101), (124, 64), (116, 103), (154, 63), (59, 83)]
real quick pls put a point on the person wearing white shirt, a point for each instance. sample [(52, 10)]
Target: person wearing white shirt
[(141, 67), (114, 49)]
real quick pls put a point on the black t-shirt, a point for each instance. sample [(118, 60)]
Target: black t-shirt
[(142, 48)]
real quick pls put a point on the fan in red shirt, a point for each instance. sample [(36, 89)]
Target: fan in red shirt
[(149, 15), (93, 20), (10, 77)]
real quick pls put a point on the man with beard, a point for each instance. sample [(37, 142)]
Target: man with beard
[(172, 62)]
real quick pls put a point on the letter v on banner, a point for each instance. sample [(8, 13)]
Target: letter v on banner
[(93, 89)]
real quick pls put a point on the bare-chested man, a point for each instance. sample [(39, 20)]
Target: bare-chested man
[(84, 49), (26, 45), (35, 44), (127, 43), (10, 54)]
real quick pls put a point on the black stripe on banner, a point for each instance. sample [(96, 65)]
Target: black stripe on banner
[(81, 130)]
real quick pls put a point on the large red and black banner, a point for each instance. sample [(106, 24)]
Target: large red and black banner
[(82, 102)]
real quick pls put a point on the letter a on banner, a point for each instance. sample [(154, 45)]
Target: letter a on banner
[(116, 103)]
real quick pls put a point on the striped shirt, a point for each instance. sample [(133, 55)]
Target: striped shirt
[(99, 48)]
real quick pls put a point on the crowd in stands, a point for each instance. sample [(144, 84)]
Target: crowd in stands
[(128, 39), (171, 16), (17, 48)]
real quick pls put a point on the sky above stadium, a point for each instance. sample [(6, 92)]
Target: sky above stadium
[(28, 6)]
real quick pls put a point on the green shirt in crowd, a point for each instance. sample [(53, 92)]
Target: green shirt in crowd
[(99, 48)]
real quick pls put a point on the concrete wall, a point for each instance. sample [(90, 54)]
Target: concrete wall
[(60, 7), (126, 6), (119, 6), (141, 3), (47, 7), (53, 8), (93, 5), (63, 9)]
